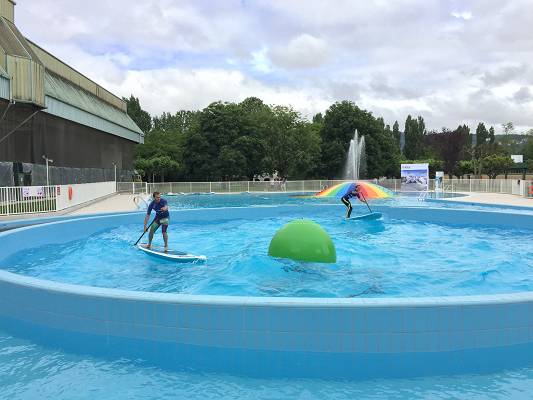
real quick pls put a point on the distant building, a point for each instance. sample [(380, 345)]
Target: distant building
[(49, 109)]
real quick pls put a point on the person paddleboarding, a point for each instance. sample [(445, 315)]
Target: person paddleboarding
[(160, 206), (346, 199)]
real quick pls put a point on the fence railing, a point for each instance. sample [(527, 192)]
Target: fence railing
[(39, 199), (27, 199), (450, 185)]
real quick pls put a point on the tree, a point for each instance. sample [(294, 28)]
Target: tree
[(482, 134), (464, 167), (156, 166), (281, 141), (450, 146), (415, 130), (508, 128), (318, 118), (528, 149), (138, 115), (305, 162), (217, 125), (179, 123), (492, 136), (231, 163), (494, 165), (340, 122)]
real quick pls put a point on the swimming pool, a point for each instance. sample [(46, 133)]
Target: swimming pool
[(32, 371), (196, 341), (401, 199), (386, 258)]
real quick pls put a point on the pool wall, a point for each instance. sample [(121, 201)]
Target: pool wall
[(263, 335)]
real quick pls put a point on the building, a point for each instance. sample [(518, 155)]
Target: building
[(49, 110)]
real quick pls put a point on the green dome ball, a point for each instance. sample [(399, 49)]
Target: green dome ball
[(303, 240)]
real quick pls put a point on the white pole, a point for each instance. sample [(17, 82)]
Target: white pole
[(47, 178), (115, 176)]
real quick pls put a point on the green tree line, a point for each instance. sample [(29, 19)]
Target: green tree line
[(234, 141)]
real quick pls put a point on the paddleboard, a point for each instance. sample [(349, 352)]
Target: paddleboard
[(371, 216), (172, 255)]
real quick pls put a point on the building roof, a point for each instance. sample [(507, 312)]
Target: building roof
[(67, 93), (60, 68), (30, 74)]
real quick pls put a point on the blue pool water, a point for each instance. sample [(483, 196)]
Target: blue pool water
[(30, 371), (266, 199), (388, 258)]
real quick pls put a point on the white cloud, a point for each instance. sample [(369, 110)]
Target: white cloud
[(466, 15), (394, 58), (176, 89), (303, 51), (260, 61)]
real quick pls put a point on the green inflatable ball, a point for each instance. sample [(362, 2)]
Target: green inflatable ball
[(303, 240)]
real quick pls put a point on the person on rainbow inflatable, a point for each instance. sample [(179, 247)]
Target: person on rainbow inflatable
[(346, 199)]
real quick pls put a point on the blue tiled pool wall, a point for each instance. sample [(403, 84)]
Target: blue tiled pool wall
[(286, 336)]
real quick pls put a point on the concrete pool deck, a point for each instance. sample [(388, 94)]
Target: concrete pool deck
[(118, 203), (493, 199)]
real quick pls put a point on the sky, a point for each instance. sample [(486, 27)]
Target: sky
[(452, 62)]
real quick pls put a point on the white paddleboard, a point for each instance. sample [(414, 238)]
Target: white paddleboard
[(371, 216), (171, 255)]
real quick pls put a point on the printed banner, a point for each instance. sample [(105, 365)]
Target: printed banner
[(415, 177), (32, 191)]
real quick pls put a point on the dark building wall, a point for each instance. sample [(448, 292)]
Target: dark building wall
[(27, 174), (69, 144)]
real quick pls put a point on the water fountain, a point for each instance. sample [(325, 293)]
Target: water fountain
[(356, 158)]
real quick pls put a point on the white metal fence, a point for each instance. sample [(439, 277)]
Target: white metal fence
[(39, 199), (449, 185), (28, 199)]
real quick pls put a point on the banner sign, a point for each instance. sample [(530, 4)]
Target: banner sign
[(32, 191), (415, 177)]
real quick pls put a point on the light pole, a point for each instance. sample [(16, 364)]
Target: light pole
[(115, 165), (48, 160)]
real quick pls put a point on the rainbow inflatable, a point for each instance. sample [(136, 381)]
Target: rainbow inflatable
[(369, 190)]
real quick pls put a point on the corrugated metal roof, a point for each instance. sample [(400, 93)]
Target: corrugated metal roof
[(58, 67), (66, 111), (9, 42), (4, 87), (68, 93), (24, 42), (3, 72)]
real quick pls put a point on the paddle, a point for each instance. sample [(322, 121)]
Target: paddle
[(138, 240), (366, 202)]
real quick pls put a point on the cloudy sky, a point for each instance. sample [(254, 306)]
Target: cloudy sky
[(450, 61)]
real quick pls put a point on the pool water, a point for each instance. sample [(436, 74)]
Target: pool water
[(30, 371), (384, 258), (388, 258), (409, 199)]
